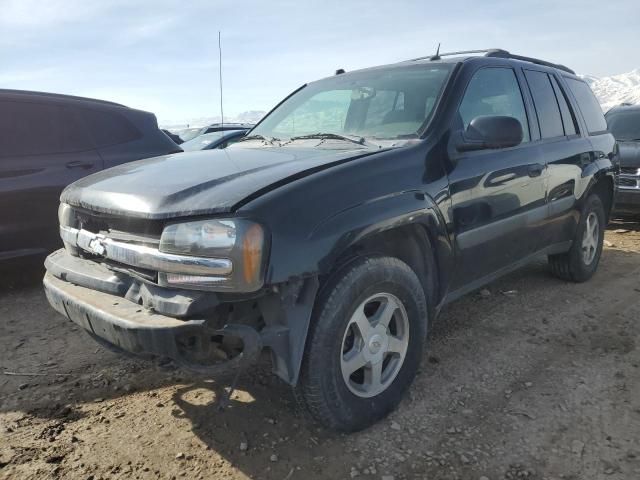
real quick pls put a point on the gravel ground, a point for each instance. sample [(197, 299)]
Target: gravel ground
[(528, 378)]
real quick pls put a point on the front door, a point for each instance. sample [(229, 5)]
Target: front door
[(498, 195)]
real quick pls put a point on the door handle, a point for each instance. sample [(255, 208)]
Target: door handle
[(535, 170), (79, 164)]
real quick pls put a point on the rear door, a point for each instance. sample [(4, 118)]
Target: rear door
[(567, 154), (45, 147), (498, 195)]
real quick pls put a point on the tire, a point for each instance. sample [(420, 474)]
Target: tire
[(336, 399), (574, 265)]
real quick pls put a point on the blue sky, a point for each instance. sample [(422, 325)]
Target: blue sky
[(162, 55)]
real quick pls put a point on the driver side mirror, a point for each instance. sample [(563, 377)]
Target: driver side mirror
[(490, 131)]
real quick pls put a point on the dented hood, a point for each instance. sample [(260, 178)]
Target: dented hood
[(196, 183)]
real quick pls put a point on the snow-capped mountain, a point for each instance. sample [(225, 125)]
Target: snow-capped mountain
[(616, 89), (251, 116)]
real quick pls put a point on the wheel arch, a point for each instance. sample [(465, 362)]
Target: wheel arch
[(409, 227), (603, 185)]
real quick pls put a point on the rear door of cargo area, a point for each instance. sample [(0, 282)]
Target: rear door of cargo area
[(43, 148)]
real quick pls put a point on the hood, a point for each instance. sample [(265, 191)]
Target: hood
[(196, 183), (629, 154)]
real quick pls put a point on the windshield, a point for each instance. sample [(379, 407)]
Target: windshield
[(383, 103), (625, 126)]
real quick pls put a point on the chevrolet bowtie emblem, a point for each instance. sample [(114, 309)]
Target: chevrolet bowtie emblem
[(97, 245)]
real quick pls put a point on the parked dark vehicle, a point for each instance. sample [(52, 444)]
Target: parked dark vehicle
[(334, 233), (176, 139), (48, 141), (209, 141), (187, 134), (624, 123)]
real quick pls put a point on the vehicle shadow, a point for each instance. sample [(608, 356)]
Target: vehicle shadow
[(262, 418), (624, 224)]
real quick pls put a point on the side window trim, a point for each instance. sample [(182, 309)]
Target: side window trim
[(532, 115), (561, 90), (525, 103), (541, 139)]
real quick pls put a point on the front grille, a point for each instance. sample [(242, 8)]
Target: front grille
[(630, 170), (628, 182), (134, 230)]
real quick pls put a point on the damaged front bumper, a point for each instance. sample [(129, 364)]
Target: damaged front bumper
[(201, 331)]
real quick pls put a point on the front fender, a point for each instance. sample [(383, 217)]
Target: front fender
[(342, 231)]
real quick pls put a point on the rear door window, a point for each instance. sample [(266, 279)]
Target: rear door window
[(29, 129), (588, 105), (494, 91), (75, 136), (109, 128), (546, 103), (568, 119)]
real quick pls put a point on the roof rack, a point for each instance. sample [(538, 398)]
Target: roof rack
[(537, 61), (496, 53), (437, 56)]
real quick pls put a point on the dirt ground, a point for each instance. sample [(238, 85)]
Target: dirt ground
[(529, 378)]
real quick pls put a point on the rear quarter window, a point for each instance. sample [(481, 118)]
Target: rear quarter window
[(110, 128), (588, 105)]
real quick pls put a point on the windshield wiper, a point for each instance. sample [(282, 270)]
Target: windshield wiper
[(336, 136), (270, 141)]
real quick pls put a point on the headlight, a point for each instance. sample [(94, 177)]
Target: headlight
[(66, 218), (238, 240), (65, 215)]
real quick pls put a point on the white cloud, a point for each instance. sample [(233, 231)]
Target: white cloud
[(35, 13)]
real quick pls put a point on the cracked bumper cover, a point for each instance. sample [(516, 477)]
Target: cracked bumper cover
[(128, 325), (144, 319)]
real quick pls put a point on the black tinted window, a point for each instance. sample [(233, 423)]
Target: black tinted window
[(567, 118), (39, 128), (494, 91), (589, 106), (29, 129), (110, 128), (546, 104), (75, 137), (625, 125)]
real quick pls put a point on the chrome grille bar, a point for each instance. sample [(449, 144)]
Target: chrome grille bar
[(142, 256)]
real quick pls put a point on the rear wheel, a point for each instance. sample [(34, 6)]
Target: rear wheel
[(581, 261), (365, 343)]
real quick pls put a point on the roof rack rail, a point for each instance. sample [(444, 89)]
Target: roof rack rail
[(496, 53), (537, 61), (437, 56)]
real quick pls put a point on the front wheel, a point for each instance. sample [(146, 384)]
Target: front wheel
[(581, 261), (365, 343)]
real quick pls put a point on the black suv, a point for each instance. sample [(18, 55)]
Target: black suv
[(624, 123), (334, 233), (48, 141)]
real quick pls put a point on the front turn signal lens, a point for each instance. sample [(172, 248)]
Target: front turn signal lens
[(252, 247)]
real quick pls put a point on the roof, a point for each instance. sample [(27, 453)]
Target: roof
[(57, 96), (462, 56)]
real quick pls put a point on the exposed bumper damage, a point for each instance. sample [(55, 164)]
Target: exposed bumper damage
[(205, 332)]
